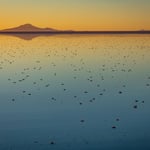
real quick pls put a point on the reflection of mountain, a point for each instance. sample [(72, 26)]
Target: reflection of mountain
[(29, 28), (28, 36)]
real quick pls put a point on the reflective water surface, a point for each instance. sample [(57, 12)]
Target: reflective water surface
[(69, 92)]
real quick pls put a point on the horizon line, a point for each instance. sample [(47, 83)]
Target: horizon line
[(79, 32), (37, 29)]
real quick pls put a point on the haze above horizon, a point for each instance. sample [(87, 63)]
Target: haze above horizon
[(77, 15)]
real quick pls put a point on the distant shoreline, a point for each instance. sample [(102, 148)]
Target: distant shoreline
[(75, 32)]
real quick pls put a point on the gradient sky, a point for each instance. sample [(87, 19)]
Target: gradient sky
[(77, 14)]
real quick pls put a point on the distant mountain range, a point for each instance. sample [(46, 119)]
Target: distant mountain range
[(29, 28)]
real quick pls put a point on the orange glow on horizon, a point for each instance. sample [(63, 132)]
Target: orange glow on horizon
[(76, 15)]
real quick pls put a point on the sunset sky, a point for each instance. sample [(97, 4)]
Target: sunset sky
[(77, 14)]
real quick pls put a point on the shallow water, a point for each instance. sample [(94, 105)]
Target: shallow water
[(69, 92)]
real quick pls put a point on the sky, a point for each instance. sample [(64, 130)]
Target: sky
[(77, 14)]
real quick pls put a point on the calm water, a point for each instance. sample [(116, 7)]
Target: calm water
[(69, 92)]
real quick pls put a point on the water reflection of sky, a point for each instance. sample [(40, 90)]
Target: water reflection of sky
[(75, 92)]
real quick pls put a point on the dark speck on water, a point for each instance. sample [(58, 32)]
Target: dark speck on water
[(82, 121), (117, 119), (13, 99), (114, 127), (52, 142), (120, 92), (80, 103), (36, 142)]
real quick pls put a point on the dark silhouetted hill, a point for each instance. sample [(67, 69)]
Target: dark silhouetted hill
[(29, 28)]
